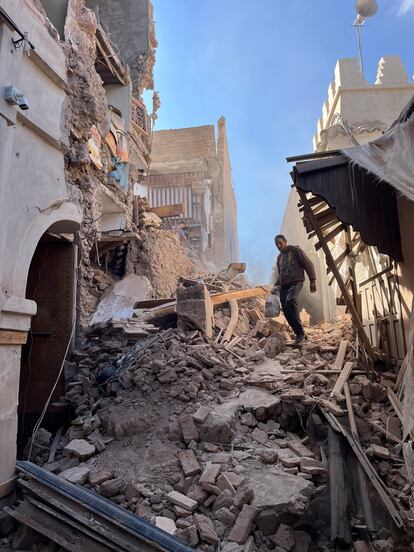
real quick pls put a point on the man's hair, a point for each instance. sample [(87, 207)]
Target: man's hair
[(280, 237)]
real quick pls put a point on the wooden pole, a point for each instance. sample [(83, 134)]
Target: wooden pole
[(331, 263), (340, 530)]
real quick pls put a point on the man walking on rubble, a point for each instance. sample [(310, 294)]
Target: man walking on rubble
[(292, 263)]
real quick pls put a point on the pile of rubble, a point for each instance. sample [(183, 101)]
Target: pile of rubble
[(229, 445)]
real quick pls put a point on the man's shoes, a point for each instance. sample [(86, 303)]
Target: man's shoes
[(300, 339)]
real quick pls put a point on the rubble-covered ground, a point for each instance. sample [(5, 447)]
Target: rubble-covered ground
[(226, 449)]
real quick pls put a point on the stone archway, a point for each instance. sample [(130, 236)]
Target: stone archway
[(16, 312)]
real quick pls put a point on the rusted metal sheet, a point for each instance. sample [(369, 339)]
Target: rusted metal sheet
[(51, 283)]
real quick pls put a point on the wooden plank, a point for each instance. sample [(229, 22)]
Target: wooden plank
[(387, 434), (12, 337), (151, 303), (364, 492), (339, 494), (379, 485), (53, 530), (331, 235), (77, 527), (108, 528), (172, 210), (396, 403), (342, 379), (239, 295), (330, 261), (234, 309), (351, 414), (55, 443), (340, 356)]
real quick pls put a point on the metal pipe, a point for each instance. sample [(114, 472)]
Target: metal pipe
[(12, 24)]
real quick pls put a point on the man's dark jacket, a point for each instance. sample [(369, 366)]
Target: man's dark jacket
[(292, 265)]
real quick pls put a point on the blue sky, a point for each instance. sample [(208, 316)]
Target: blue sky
[(266, 66)]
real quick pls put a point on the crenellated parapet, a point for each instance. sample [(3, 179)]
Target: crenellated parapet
[(355, 106)]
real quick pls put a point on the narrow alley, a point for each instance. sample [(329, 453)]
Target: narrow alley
[(154, 394)]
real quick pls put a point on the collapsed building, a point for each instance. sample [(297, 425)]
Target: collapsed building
[(75, 139), (190, 183)]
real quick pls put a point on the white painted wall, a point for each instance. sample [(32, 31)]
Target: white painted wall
[(33, 191)]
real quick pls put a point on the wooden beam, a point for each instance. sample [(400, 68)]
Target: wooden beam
[(13, 337), (168, 210), (383, 492), (239, 295), (234, 308), (362, 479), (7, 487), (340, 355), (331, 235), (330, 261), (342, 379), (340, 530)]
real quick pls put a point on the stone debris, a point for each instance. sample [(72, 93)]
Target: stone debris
[(242, 463)]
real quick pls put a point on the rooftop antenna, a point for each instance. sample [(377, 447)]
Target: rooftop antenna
[(364, 9)]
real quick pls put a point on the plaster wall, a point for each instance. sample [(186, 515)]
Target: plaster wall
[(33, 191)]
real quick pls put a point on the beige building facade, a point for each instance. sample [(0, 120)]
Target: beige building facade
[(35, 197)]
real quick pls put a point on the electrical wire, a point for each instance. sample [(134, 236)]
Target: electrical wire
[(42, 415)]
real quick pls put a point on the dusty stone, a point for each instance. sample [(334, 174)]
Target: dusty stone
[(188, 428), (235, 479), (212, 489), (219, 426), (259, 436), (268, 456), (224, 500), (298, 448), (243, 525), (166, 524), (226, 516), (312, 466), (68, 462), (284, 537), (182, 501), (77, 476), (195, 308), (210, 474), (380, 452), (279, 491), (144, 511), (96, 477), (267, 521), (198, 494), (112, 487), (80, 448), (244, 495), (248, 420), (189, 535), (332, 407), (201, 414), (205, 529), (188, 463), (224, 483)]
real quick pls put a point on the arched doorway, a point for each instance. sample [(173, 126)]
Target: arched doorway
[(51, 283)]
